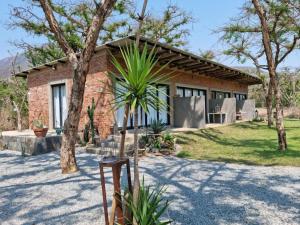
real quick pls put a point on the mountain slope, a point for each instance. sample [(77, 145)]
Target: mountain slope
[(6, 65)]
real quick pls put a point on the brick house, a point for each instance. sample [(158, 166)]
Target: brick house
[(197, 85)]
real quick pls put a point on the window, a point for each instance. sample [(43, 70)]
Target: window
[(153, 113), (220, 95), (240, 96), (180, 92), (188, 92)]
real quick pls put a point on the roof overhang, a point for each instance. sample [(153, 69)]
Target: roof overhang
[(176, 59)]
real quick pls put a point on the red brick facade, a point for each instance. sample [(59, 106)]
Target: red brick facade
[(40, 95)]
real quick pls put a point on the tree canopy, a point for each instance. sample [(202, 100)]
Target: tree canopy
[(170, 27), (243, 33)]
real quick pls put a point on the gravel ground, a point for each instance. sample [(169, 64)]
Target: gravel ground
[(32, 191)]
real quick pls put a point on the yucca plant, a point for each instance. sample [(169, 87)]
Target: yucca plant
[(135, 86), (157, 126), (150, 207)]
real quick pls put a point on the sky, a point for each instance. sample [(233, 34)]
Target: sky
[(209, 15)]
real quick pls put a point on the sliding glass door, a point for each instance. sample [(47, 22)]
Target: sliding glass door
[(59, 105)]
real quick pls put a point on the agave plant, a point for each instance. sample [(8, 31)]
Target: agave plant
[(151, 206), (157, 126), (135, 86)]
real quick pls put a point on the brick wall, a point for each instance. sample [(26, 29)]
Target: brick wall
[(40, 95)]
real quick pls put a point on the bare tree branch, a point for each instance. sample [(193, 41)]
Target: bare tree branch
[(55, 28)]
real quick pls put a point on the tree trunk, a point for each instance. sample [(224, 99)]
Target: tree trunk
[(80, 66), (136, 184), (67, 159), (123, 132), (282, 143), (269, 105), (274, 81), (19, 118)]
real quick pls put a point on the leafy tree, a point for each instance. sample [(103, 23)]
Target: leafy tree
[(169, 28), (13, 92), (74, 18), (79, 54), (208, 54), (290, 87), (266, 32)]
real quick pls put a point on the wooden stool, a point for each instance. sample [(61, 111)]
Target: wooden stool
[(116, 210)]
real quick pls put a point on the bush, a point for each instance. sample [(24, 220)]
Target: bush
[(184, 154), (143, 141), (157, 126), (150, 207)]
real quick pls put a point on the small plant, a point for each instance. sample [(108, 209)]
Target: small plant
[(86, 133), (143, 141), (58, 131), (91, 111), (157, 143), (168, 141), (184, 154), (168, 137), (157, 126), (38, 123), (150, 206), (39, 129)]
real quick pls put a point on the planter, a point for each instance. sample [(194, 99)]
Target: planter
[(40, 132), (58, 131)]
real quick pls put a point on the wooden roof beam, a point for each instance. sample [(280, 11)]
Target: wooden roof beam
[(192, 63), (196, 67), (207, 69), (168, 57)]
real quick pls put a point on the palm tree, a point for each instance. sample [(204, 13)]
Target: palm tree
[(135, 86)]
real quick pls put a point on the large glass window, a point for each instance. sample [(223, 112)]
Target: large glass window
[(188, 92), (240, 96), (59, 105), (220, 95), (153, 113)]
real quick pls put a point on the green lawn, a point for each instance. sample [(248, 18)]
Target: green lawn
[(248, 143)]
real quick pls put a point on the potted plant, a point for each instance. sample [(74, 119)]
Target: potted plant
[(58, 131), (39, 129)]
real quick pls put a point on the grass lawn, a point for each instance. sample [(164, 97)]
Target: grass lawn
[(248, 143)]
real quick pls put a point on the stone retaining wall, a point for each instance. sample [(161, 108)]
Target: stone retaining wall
[(30, 145)]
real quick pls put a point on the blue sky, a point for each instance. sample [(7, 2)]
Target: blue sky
[(209, 15)]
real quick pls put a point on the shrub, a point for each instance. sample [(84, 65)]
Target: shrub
[(168, 137), (143, 141), (86, 133), (157, 143), (38, 123), (150, 207), (91, 112), (157, 126), (184, 154)]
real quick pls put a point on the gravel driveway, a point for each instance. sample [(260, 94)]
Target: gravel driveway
[(32, 191)]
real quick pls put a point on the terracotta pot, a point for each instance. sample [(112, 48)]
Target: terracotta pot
[(40, 132)]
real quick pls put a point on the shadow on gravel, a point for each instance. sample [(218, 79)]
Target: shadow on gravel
[(206, 200), (32, 191)]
